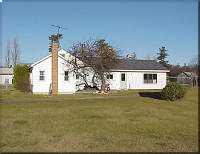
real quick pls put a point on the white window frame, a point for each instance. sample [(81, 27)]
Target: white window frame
[(154, 81), (108, 76), (42, 75)]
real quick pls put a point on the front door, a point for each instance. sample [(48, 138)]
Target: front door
[(123, 81)]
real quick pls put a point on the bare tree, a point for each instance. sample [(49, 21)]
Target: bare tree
[(133, 56), (147, 57), (96, 55), (193, 64), (7, 58), (15, 52), (155, 58)]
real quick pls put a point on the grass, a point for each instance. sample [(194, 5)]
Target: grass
[(138, 124), (12, 94)]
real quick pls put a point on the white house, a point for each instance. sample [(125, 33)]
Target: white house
[(6, 75), (130, 74)]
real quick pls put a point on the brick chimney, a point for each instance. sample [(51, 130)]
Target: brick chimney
[(54, 67)]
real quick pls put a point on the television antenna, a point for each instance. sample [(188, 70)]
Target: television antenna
[(59, 27)]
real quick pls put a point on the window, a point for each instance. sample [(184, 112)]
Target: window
[(77, 76), (110, 76), (123, 77), (66, 77), (41, 75), (150, 78)]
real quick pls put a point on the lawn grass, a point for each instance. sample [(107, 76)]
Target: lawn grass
[(12, 94), (139, 124)]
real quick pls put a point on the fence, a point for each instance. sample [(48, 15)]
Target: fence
[(185, 81)]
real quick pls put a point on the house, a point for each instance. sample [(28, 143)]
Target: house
[(52, 73), (188, 78), (138, 74), (6, 75)]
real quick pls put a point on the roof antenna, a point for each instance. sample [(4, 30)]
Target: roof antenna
[(59, 27)]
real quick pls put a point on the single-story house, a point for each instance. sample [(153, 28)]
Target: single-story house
[(6, 75), (131, 74), (188, 78)]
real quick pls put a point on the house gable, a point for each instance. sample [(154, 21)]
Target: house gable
[(60, 54)]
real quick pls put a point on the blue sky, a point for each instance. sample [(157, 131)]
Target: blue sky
[(140, 26)]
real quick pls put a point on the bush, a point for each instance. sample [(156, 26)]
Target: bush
[(173, 91), (24, 85), (21, 78)]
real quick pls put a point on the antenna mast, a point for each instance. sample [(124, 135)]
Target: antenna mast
[(58, 34)]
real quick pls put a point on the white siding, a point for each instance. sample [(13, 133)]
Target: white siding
[(4, 77), (136, 80), (41, 86), (68, 86), (115, 82)]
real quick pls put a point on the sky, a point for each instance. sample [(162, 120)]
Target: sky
[(129, 25)]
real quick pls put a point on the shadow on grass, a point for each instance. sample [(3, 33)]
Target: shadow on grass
[(155, 95)]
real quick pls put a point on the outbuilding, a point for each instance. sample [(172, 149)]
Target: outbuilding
[(6, 75)]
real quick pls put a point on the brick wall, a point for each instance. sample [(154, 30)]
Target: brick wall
[(54, 68)]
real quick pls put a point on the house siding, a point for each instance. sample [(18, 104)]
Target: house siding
[(136, 80), (68, 86), (4, 77), (41, 86)]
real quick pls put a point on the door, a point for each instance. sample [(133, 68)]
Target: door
[(123, 81)]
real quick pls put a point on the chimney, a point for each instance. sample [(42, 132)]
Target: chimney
[(54, 67)]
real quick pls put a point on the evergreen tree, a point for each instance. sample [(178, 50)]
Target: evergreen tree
[(162, 57), (21, 77)]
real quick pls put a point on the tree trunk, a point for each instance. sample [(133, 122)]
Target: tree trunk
[(102, 82)]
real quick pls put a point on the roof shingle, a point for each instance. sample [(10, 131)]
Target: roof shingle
[(6, 71), (128, 64)]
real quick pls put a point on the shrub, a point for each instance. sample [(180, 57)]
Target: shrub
[(173, 91), (21, 78), (24, 85)]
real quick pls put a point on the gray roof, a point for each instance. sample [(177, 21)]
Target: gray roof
[(6, 71), (128, 64)]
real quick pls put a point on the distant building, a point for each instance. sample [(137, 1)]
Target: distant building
[(187, 78), (6, 75)]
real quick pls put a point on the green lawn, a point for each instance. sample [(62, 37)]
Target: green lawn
[(138, 124), (12, 94)]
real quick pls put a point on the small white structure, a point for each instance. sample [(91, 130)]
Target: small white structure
[(188, 78), (6, 75), (131, 74)]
